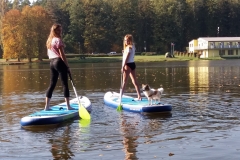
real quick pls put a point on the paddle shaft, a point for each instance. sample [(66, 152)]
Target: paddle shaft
[(83, 113), (121, 93), (74, 88)]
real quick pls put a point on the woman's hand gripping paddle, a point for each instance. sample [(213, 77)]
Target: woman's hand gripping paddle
[(119, 107), (83, 113)]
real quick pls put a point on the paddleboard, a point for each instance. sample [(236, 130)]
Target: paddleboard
[(111, 99), (56, 115)]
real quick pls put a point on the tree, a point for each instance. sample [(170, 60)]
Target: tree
[(4, 7), (96, 26), (25, 33), (145, 25), (36, 24), (42, 23), (125, 16), (35, 28), (74, 38), (11, 35)]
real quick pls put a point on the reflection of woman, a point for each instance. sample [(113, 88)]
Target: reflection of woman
[(129, 139), (58, 64), (60, 147), (128, 64)]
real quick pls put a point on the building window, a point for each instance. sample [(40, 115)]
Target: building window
[(229, 44), (221, 52), (230, 52), (212, 45), (237, 52), (220, 45), (237, 44)]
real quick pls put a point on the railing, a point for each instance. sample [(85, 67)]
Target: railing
[(216, 47)]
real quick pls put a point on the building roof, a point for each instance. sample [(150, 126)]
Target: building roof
[(219, 39)]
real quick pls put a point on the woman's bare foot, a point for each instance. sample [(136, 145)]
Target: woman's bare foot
[(47, 109), (139, 98), (70, 108)]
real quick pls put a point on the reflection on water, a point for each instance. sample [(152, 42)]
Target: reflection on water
[(204, 123)]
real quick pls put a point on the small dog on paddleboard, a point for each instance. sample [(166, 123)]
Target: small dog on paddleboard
[(152, 94)]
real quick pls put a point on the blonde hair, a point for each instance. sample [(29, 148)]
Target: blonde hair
[(129, 37), (53, 34)]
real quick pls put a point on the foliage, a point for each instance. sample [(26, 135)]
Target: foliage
[(100, 25), (25, 33), (11, 35)]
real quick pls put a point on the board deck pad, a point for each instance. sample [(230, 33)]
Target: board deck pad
[(56, 110), (134, 101)]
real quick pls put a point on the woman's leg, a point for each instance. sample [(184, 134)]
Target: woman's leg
[(63, 72), (135, 83), (47, 103), (53, 82), (125, 73)]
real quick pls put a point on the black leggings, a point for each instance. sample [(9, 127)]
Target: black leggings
[(58, 67)]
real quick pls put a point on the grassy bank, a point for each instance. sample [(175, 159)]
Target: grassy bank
[(138, 58), (110, 59)]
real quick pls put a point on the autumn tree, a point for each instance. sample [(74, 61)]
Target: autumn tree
[(42, 23), (25, 33), (35, 27), (4, 7), (11, 35)]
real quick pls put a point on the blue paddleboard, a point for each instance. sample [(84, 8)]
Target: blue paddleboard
[(56, 115), (128, 103)]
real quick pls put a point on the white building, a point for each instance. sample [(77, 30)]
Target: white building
[(225, 47)]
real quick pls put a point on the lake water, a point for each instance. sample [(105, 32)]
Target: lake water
[(204, 122)]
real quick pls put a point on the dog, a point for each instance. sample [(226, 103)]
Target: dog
[(152, 94)]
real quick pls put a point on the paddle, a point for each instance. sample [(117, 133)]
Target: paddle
[(119, 107), (83, 113)]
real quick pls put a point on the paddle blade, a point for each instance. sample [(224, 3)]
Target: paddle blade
[(84, 122), (119, 107), (83, 113)]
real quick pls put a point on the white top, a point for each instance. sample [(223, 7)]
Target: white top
[(56, 44), (52, 54), (131, 52)]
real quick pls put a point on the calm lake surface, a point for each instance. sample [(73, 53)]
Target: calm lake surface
[(204, 123)]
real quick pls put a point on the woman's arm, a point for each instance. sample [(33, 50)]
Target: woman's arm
[(126, 57), (63, 56)]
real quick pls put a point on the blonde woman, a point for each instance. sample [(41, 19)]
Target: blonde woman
[(58, 64), (128, 64)]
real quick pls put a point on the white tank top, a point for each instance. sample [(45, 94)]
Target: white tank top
[(131, 54), (52, 54)]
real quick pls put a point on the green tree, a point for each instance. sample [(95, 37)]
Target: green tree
[(165, 27), (145, 25), (96, 27), (125, 14), (74, 38)]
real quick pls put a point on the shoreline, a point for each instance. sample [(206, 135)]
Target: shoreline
[(109, 59)]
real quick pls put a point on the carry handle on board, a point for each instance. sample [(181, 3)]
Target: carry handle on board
[(83, 113)]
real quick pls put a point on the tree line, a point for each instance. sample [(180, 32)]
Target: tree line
[(100, 25)]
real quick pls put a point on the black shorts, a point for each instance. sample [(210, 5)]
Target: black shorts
[(131, 65)]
